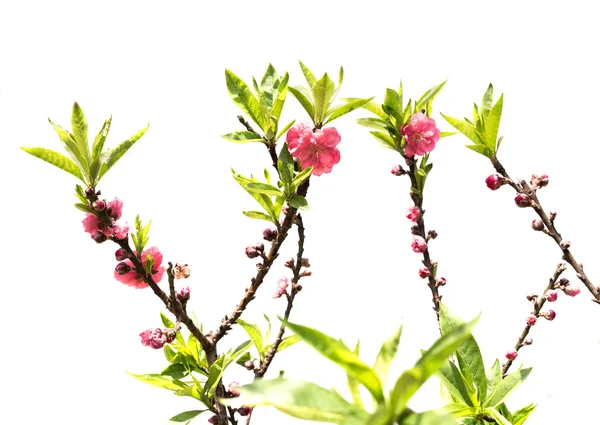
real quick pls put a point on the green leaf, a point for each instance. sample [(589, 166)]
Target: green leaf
[(56, 159), (112, 156), (236, 352), (285, 129), (285, 166), (454, 382), (386, 354), (175, 371), (447, 133), (243, 97), (157, 380), (286, 342), (469, 355), (187, 415), (214, 375), (354, 385), (385, 138), (263, 188), (279, 101), (486, 105), (507, 386), (392, 101), (371, 107), (71, 147), (267, 86), (376, 123), (98, 145), (303, 400), (500, 419), (428, 96), (494, 376), (263, 200), (258, 215), (85, 208), (460, 410), (412, 379), (481, 149), (344, 109), (268, 333), (310, 78), (430, 417), (255, 335), (194, 348), (165, 321), (323, 95), (522, 414), (493, 124), (300, 177), (465, 128), (305, 101), (338, 353), (243, 137), (298, 202), (170, 354), (80, 132)]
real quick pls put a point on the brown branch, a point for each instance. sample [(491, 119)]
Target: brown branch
[(538, 304), (548, 220)]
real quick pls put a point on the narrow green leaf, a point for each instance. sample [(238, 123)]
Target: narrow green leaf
[(344, 109), (468, 354), (500, 419), (243, 137), (267, 86), (447, 133), (80, 193), (454, 382), (84, 208), (214, 375), (493, 124), (263, 188), (285, 166), (268, 333), (371, 107), (494, 376), (170, 354), (486, 105), (255, 335), (386, 354), (392, 100), (323, 95), (481, 149), (194, 348), (157, 380), (263, 200), (430, 417), (56, 159), (279, 101), (243, 97), (112, 156), (338, 353), (394, 115), (175, 370), (465, 128), (71, 147), (460, 410), (310, 78), (303, 400), (412, 379), (187, 415), (236, 352), (80, 132), (166, 322), (286, 342), (298, 202), (385, 138), (258, 215), (519, 416), (354, 384), (304, 101), (507, 386), (284, 130), (300, 177), (98, 145), (428, 96), (376, 123)]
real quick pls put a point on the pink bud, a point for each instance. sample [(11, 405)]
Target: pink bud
[(413, 214), (551, 296), (424, 272), (572, 290), (122, 268), (305, 263), (270, 234), (432, 234), (397, 170), (99, 237), (539, 181), (537, 225), (511, 354), (522, 200), (244, 410), (99, 205), (418, 244), (532, 298), (549, 315), (564, 245), (441, 281), (181, 271), (282, 286), (495, 181), (212, 419), (252, 252), (249, 364), (528, 341), (531, 319), (289, 263), (183, 294), (232, 388), (154, 338), (121, 254)]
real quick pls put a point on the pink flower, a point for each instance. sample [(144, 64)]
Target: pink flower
[(495, 181), (119, 230), (419, 244), (511, 354), (413, 214), (314, 149), (572, 290), (136, 280), (420, 134), (531, 319), (551, 296), (91, 223), (424, 272), (282, 286), (156, 338)]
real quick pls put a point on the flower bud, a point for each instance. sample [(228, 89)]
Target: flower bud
[(511, 354), (537, 225), (244, 410), (305, 273), (270, 234), (522, 200), (549, 315), (440, 282), (572, 290), (551, 296), (564, 245), (532, 298), (495, 181), (121, 254), (528, 341), (418, 244), (91, 193), (99, 237), (154, 338), (232, 388), (413, 214), (181, 271), (539, 181), (123, 268), (305, 263), (184, 294), (397, 170), (282, 286), (249, 364), (424, 272), (212, 419), (552, 216), (289, 263), (432, 234), (99, 205), (252, 252), (531, 319), (414, 230)]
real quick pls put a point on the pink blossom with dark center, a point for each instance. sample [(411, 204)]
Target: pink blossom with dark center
[(136, 280), (418, 244), (155, 338), (91, 223), (413, 214), (314, 149), (420, 134)]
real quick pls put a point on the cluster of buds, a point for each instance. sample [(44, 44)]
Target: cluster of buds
[(539, 181), (565, 286), (304, 263), (103, 223), (157, 338), (254, 251)]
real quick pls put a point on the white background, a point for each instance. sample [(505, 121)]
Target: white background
[(70, 331)]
